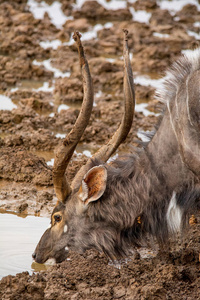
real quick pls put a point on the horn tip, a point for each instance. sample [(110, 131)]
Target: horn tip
[(76, 36), (125, 34)]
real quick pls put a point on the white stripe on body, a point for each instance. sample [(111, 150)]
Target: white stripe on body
[(174, 215)]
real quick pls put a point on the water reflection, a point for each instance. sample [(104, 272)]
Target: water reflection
[(18, 239)]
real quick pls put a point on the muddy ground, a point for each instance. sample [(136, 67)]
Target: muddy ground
[(28, 136)]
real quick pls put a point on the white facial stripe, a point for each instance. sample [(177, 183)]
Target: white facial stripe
[(66, 248), (50, 261), (65, 229), (187, 103), (174, 215), (49, 226)]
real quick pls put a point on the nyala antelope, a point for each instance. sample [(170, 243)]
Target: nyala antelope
[(116, 207)]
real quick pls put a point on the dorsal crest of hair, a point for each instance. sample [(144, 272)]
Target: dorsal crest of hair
[(181, 69)]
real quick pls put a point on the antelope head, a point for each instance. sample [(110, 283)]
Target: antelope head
[(77, 221)]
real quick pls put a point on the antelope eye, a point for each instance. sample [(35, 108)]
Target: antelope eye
[(57, 218)]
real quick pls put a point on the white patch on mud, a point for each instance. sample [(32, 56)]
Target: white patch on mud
[(60, 135), (90, 34), (6, 103), (13, 90), (47, 64), (58, 18), (142, 135), (176, 5), (54, 44), (146, 81), (161, 35), (62, 107), (194, 34), (174, 215), (140, 15), (85, 36), (110, 5), (51, 115), (87, 153), (45, 88), (142, 108), (50, 162)]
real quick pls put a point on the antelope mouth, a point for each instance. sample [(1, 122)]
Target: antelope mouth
[(50, 262), (59, 257), (52, 258)]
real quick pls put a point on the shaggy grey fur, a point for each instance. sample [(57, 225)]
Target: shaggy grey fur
[(150, 193)]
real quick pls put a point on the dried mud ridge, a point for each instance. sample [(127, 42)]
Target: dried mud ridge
[(28, 130), (168, 275)]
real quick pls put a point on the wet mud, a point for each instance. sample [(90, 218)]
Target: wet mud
[(34, 127)]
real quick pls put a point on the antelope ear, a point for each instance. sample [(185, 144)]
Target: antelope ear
[(93, 184)]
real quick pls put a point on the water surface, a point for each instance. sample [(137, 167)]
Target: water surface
[(18, 239)]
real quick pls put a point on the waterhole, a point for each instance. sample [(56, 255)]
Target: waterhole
[(19, 236)]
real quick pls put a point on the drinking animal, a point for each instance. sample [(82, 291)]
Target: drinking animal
[(116, 207)]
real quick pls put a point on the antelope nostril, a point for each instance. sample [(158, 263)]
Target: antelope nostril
[(34, 255)]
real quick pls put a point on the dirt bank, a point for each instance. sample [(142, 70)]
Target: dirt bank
[(168, 275)]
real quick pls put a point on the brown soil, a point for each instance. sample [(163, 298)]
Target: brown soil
[(28, 139)]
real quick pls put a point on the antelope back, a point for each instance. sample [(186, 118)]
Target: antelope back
[(181, 93)]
